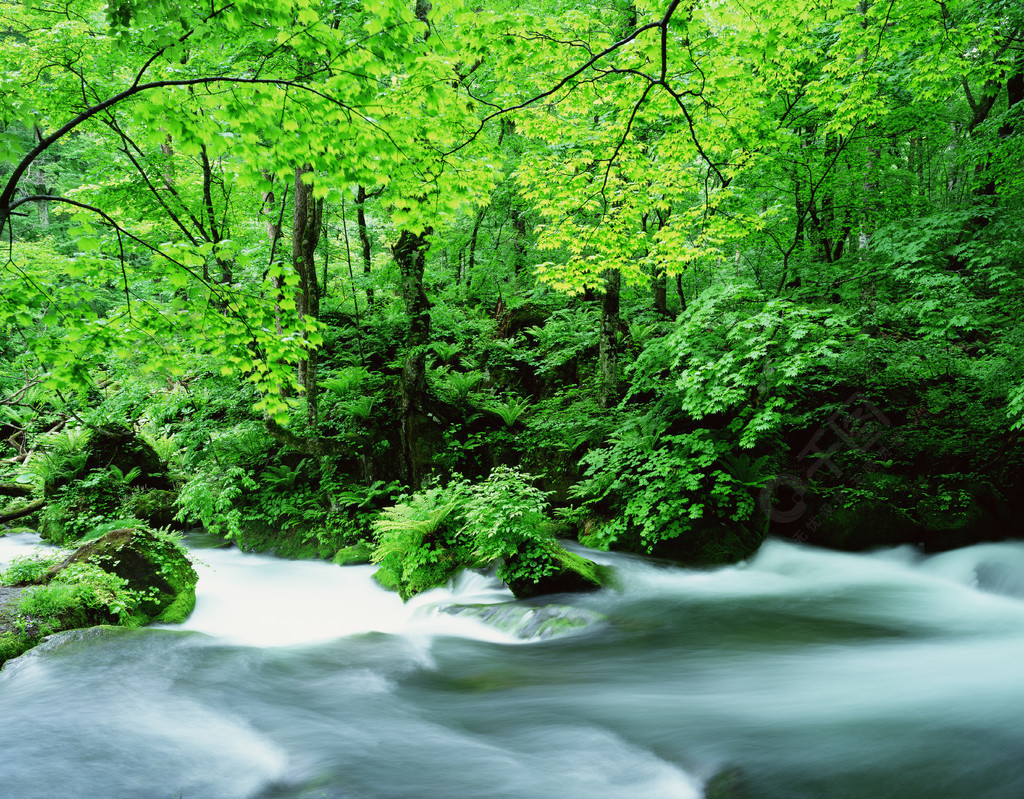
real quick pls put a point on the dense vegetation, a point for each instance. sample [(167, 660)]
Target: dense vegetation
[(438, 285)]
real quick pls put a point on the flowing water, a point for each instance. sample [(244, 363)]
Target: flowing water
[(803, 673)]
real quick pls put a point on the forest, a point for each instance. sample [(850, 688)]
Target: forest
[(445, 286)]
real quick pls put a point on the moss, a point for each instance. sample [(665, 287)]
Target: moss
[(131, 577), (53, 524), (387, 578), (153, 564), (13, 644), (180, 609), (158, 507), (15, 530), (352, 555), (291, 544), (730, 783), (552, 570)]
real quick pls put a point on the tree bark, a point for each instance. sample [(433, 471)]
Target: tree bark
[(410, 252), (25, 510), (608, 344), (364, 240), (471, 262), (306, 218)]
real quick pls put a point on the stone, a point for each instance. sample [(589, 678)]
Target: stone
[(153, 564)]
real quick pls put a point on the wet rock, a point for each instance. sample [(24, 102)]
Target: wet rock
[(553, 570), (729, 783), (529, 623), (157, 508)]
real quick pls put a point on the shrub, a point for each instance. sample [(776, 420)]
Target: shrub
[(424, 539)]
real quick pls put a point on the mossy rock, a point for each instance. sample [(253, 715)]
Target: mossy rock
[(122, 448), (553, 570), (14, 643), (52, 523), (13, 637), (356, 554), (156, 507), (529, 622), (153, 564), (729, 783), (297, 542)]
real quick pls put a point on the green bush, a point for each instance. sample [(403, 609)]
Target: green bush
[(30, 568), (79, 594), (427, 537)]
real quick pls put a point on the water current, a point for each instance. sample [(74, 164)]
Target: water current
[(801, 674)]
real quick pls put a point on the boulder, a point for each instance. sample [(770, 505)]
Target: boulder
[(121, 447), (356, 554), (552, 570), (728, 783), (156, 507), (153, 564)]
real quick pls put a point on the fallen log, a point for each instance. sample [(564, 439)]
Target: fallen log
[(24, 510)]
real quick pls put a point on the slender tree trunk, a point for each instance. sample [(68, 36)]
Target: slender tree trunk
[(519, 244), (680, 292), (364, 241), (471, 262), (608, 344), (306, 218), (38, 177), (217, 234), (410, 252)]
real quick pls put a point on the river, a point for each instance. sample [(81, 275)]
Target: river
[(803, 673)]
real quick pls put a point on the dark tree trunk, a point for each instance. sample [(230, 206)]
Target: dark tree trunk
[(410, 252), (680, 292), (364, 240), (659, 286), (306, 219), (471, 262)]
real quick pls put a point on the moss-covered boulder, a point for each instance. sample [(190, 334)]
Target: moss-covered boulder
[(356, 554), (157, 508), (729, 783), (122, 448), (551, 569), (103, 476), (128, 577), (154, 566)]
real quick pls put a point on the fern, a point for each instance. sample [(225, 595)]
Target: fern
[(510, 411)]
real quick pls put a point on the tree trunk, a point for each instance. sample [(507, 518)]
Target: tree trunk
[(25, 510), (680, 292), (519, 244), (410, 252), (306, 218), (471, 263), (364, 240), (217, 234), (608, 353), (659, 286)]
